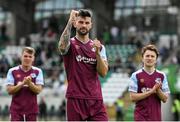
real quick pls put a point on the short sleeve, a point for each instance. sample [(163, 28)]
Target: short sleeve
[(165, 87), (103, 53), (39, 78), (133, 87), (9, 78)]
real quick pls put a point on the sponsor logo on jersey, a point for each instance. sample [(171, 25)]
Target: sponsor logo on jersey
[(145, 89), (25, 85), (80, 58)]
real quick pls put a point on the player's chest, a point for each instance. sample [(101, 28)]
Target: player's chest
[(19, 76), (84, 50)]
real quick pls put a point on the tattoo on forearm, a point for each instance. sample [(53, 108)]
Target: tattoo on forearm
[(67, 33), (65, 37)]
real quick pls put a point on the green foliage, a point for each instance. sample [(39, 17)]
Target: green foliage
[(171, 72)]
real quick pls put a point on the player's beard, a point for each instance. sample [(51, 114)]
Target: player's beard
[(82, 31)]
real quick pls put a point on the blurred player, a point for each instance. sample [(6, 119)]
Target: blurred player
[(24, 82), (84, 59), (148, 87)]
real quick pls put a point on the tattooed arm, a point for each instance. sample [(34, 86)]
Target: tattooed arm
[(64, 42)]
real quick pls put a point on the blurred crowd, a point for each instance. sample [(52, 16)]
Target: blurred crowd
[(45, 41)]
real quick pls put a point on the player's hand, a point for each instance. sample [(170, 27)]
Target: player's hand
[(158, 81), (73, 16), (27, 80), (97, 45), (20, 83), (156, 87)]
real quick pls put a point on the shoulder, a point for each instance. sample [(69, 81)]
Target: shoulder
[(36, 68), (14, 68), (73, 40), (137, 72), (160, 72), (134, 75)]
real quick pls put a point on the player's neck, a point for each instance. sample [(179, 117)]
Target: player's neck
[(149, 69), (83, 39), (25, 68)]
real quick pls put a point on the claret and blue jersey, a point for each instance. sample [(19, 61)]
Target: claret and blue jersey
[(141, 81), (80, 65), (25, 101)]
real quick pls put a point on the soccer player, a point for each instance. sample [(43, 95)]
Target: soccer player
[(24, 82), (84, 59), (148, 87)]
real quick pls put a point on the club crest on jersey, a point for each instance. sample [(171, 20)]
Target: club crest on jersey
[(33, 75), (158, 80), (93, 49), (141, 80)]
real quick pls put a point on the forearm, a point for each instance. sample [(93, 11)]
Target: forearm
[(35, 88), (102, 66), (13, 89), (65, 38), (139, 96), (162, 95)]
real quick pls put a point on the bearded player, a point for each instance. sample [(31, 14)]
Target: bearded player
[(84, 60)]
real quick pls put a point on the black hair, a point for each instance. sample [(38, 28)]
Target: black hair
[(85, 13)]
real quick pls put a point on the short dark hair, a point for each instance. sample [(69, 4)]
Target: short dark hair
[(150, 47), (85, 13), (29, 50)]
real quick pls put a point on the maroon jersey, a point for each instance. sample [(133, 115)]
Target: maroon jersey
[(150, 107), (24, 101), (80, 65)]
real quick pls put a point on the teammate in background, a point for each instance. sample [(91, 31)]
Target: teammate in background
[(84, 59), (24, 82), (148, 87)]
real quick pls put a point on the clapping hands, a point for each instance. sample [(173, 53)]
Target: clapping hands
[(157, 86)]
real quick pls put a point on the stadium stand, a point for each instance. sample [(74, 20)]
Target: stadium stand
[(115, 86)]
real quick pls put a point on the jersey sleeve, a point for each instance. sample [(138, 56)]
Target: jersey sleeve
[(103, 53), (39, 78), (133, 87), (165, 87), (9, 78)]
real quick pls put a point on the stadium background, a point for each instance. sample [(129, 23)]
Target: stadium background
[(124, 26)]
